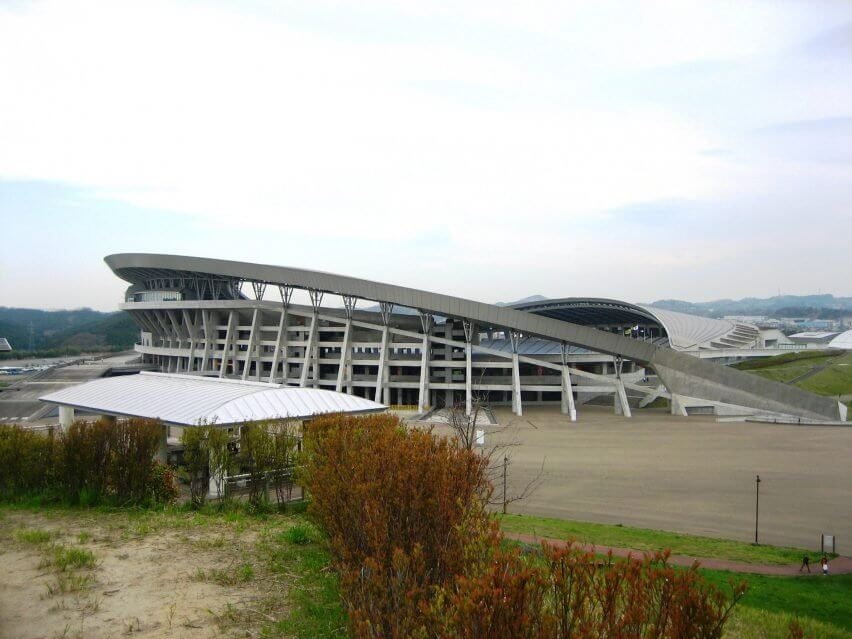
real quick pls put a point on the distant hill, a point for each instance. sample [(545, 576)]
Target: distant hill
[(83, 329), (786, 305)]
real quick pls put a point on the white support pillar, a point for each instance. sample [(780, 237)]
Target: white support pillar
[(345, 356), (190, 326), (207, 322), (423, 398), (677, 406), (226, 352), (344, 367), (568, 407), (312, 347), (468, 366), (622, 407), (167, 332), (309, 351), (163, 445), (282, 330), (517, 403), (383, 355), (250, 354), (66, 416), (383, 374), (286, 293)]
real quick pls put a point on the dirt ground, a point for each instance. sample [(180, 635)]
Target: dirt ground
[(147, 582), (685, 474)]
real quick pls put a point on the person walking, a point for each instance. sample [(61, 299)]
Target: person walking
[(806, 563), (824, 565)]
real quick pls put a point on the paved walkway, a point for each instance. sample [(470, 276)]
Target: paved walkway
[(837, 566)]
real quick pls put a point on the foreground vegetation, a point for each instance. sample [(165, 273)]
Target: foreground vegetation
[(89, 463), (398, 542), (418, 554), (286, 559)]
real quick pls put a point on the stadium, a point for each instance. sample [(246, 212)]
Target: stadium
[(407, 347)]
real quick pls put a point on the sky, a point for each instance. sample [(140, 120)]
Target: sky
[(639, 151)]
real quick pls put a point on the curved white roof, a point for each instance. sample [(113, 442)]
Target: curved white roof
[(690, 331), (192, 400), (844, 341)]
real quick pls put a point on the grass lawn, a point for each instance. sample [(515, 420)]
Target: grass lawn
[(650, 540), (821, 604), (835, 379)]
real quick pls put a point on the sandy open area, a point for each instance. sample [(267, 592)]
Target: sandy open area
[(171, 582), (690, 474)]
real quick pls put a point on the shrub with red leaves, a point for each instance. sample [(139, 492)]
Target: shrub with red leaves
[(419, 555)]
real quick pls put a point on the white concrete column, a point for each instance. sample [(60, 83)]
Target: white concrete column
[(250, 354), (309, 350), (226, 352), (568, 407), (380, 374), (282, 331), (423, 396), (677, 407), (468, 381), (208, 324), (163, 445), (517, 404), (66, 416), (345, 356), (468, 367), (622, 407)]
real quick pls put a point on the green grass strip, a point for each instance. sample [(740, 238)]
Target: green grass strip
[(643, 539), (820, 599)]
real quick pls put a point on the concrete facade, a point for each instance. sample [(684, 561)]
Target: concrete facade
[(196, 319)]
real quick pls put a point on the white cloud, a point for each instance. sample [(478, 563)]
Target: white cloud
[(254, 123), (502, 128)]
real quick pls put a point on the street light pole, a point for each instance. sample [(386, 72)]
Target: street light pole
[(756, 505)]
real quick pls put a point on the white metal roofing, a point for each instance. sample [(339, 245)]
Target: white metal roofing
[(687, 331), (844, 341), (191, 400), (823, 335)]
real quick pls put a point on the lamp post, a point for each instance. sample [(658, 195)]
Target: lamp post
[(756, 505)]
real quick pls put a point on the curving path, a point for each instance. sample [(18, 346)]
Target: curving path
[(837, 566)]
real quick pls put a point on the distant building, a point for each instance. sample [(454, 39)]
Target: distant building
[(5, 346), (814, 337), (844, 341)]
